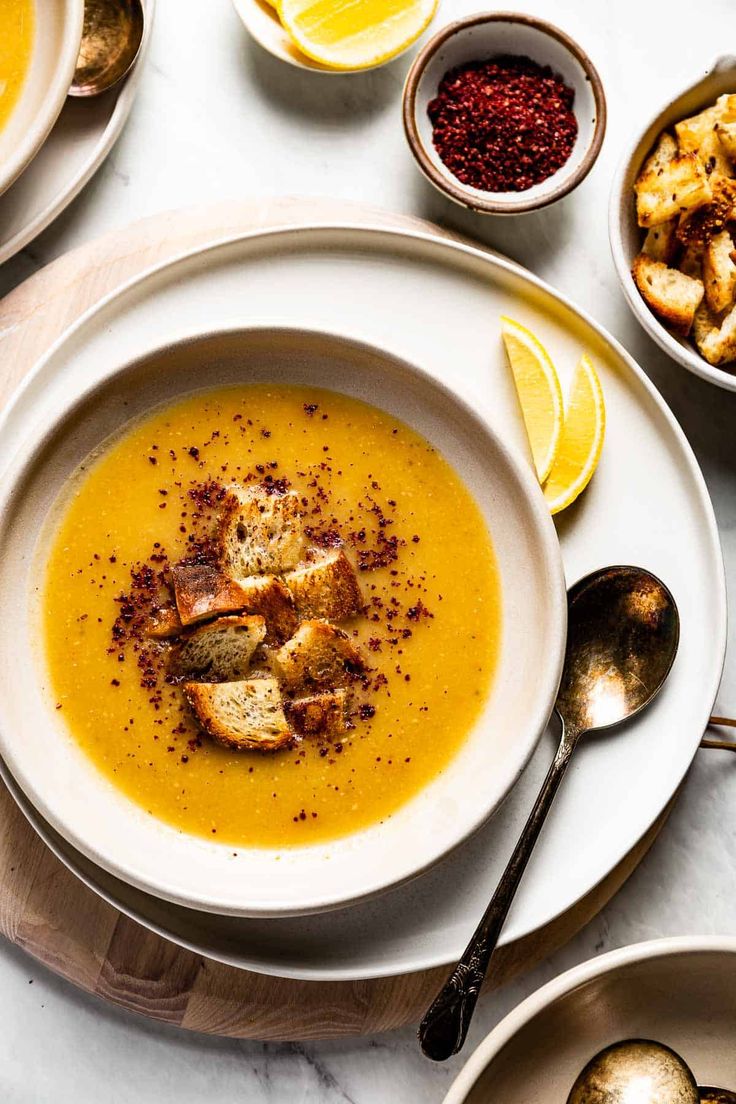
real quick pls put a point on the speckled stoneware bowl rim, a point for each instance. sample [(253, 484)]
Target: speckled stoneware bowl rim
[(568, 982), (621, 210), (444, 182)]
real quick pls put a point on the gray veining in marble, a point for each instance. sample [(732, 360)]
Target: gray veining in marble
[(253, 125)]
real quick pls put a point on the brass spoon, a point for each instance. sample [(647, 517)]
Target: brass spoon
[(637, 1071), (111, 39), (623, 631)]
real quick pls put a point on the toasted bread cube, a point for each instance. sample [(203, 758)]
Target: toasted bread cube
[(163, 623), (681, 185), (692, 132), (671, 295), (268, 596), (327, 588), (719, 273), (705, 325), (691, 260), (717, 344), (664, 151), (726, 105), (318, 657), (727, 137), (661, 242), (202, 591), (700, 225), (247, 715), (318, 714), (714, 157), (221, 650), (260, 531)]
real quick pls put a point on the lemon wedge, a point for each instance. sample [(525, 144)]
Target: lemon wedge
[(354, 34), (581, 441), (539, 391)]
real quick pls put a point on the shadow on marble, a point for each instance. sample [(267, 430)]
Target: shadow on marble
[(341, 101)]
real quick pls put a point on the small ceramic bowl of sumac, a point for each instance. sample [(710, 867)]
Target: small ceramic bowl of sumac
[(504, 113)]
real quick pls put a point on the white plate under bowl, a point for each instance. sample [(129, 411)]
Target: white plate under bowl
[(83, 135), (122, 837), (647, 504), (56, 38), (680, 992)]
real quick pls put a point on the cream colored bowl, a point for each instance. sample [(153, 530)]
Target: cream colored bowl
[(90, 813), (55, 48), (625, 234), (681, 992)]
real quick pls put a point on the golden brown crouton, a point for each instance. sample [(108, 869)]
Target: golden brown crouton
[(246, 715), (260, 531), (220, 650), (327, 588), (714, 157), (727, 137), (202, 591), (717, 344), (318, 714), (681, 185), (701, 225), (661, 242), (691, 260), (719, 273), (271, 598), (163, 623), (319, 656), (692, 132), (664, 152), (671, 295)]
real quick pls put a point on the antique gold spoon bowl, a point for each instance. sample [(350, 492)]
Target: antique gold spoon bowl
[(623, 632), (637, 1071), (111, 39)]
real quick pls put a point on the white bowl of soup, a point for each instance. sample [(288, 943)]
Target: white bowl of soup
[(454, 645), (39, 45)]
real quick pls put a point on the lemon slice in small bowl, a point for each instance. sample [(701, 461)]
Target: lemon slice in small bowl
[(351, 35)]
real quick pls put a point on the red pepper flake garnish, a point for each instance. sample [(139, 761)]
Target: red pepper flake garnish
[(503, 125)]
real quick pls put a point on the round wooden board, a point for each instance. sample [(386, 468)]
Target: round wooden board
[(43, 907)]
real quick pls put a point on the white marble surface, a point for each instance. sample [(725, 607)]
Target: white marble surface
[(217, 118)]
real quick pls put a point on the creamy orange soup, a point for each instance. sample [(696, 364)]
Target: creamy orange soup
[(16, 44), (430, 633)]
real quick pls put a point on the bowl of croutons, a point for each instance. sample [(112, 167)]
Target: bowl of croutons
[(673, 226)]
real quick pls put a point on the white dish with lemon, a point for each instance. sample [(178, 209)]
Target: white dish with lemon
[(646, 504), (336, 38)]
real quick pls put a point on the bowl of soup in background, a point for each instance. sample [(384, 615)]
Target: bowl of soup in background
[(215, 872), (38, 54)]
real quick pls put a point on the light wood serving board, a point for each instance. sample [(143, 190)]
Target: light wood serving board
[(43, 907)]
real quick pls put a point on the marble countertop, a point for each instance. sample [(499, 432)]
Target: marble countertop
[(217, 118)]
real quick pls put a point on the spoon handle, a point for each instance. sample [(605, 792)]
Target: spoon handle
[(442, 1031), (720, 745)]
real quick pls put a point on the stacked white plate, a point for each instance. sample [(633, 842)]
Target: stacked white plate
[(411, 323)]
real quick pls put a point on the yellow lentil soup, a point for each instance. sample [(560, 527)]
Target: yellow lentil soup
[(16, 45), (430, 631)]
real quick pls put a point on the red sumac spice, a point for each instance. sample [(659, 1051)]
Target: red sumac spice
[(504, 124)]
